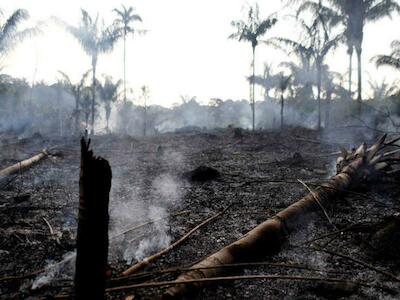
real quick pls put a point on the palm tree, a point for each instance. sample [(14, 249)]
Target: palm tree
[(283, 83), (95, 39), (332, 86), (360, 12), (303, 77), (392, 60), (10, 36), (125, 17), (338, 14), (109, 94), (316, 44), (251, 31), (76, 90)]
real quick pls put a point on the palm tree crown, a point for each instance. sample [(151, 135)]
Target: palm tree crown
[(123, 23), (250, 31), (393, 59), (125, 17), (10, 36)]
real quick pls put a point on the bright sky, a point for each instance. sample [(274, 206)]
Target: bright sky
[(185, 52)]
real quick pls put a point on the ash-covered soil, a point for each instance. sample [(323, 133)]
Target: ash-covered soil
[(258, 177)]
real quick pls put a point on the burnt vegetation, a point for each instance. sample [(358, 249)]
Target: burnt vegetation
[(290, 194)]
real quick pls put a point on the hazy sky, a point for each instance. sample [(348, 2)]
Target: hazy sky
[(185, 52)]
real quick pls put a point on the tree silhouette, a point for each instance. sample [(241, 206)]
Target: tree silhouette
[(251, 30), (337, 14), (76, 91), (360, 12), (392, 60), (283, 83), (123, 22), (108, 92), (95, 39), (10, 36), (316, 44)]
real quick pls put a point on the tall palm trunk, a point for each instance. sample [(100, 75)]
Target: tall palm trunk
[(282, 106), (359, 85), (319, 93), (77, 115), (94, 65), (253, 106), (107, 128), (350, 52), (124, 67)]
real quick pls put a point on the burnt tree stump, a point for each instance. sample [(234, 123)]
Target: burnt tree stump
[(92, 236)]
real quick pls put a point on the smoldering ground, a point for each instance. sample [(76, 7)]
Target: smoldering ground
[(148, 186)]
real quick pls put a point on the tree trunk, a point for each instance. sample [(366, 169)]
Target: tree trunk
[(94, 65), (359, 85), (319, 93), (107, 128), (124, 68), (77, 115), (253, 104), (350, 71), (268, 237), (92, 236), (282, 106)]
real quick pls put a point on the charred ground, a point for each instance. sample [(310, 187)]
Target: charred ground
[(258, 177)]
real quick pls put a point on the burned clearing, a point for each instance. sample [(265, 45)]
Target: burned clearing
[(351, 251)]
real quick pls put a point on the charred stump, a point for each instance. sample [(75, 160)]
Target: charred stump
[(92, 236)]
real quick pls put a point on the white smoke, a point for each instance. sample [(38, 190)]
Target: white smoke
[(63, 269), (166, 193)]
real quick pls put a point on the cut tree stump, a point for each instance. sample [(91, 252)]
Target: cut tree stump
[(353, 169), (92, 236)]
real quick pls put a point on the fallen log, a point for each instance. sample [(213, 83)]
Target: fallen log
[(92, 236), (22, 165), (353, 169)]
